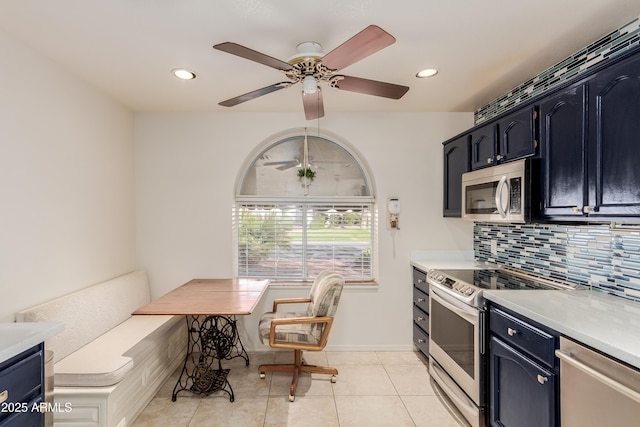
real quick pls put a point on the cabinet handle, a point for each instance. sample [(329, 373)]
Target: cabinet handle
[(421, 300), (512, 332), (421, 341), (576, 210), (498, 157), (489, 160), (420, 318), (420, 281), (542, 379), (4, 396), (587, 209)]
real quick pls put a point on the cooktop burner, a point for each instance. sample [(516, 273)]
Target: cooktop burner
[(496, 279), (467, 285)]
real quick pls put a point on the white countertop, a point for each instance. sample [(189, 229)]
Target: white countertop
[(445, 260), (18, 337), (602, 321)]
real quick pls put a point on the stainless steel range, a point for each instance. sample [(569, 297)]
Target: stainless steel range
[(458, 343)]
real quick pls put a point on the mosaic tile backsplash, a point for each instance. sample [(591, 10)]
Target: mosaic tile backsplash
[(593, 255), (621, 40)]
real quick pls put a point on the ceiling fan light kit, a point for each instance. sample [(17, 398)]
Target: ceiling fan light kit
[(309, 85), (309, 67)]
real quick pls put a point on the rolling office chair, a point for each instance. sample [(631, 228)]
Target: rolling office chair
[(303, 330)]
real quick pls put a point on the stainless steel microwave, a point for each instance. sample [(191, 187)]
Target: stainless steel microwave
[(502, 193)]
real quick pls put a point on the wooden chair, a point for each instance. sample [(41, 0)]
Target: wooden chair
[(300, 331)]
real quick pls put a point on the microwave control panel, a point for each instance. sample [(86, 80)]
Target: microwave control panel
[(515, 195)]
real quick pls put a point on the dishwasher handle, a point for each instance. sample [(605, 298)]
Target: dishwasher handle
[(567, 357)]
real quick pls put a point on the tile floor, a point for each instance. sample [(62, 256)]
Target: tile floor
[(372, 389)]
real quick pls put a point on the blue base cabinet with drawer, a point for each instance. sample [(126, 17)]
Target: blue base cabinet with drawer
[(523, 371), (22, 389), (421, 311)]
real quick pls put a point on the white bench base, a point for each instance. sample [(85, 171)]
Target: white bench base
[(119, 405)]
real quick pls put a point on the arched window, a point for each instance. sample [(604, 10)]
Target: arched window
[(304, 204)]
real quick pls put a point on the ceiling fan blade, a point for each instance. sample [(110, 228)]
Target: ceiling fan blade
[(366, 42), (287, 166), (254, 94), (371, 87), (252, 55), (313, 105), (283, 165)]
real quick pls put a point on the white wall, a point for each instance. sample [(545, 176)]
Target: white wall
[(67, 212), (186, 167)]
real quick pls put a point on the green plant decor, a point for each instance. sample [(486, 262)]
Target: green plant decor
[(306, 173)]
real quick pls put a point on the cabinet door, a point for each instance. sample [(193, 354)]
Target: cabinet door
[(564, 153), (456, 162), (521, 392), (517, 135), (614, 105), (483, 147)]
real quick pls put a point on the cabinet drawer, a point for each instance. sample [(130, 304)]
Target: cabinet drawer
[(26, 417), (528, 338), (22, 381), (421, 319), (421, 339), (421, 300), (420, 280)]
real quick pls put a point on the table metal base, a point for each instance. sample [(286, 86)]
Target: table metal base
[(210, 340)]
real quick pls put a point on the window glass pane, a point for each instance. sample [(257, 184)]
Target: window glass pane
[(339, 238), (275, 171), (275, 242), (268, 245)]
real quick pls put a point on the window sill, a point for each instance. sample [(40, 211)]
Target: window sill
[(297, 284)]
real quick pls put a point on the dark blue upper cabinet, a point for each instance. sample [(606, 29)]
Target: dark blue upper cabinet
[(456, 162), (563, 134), (614, 134), (517, 134), (590, 136), (509, 138), (483, 146)]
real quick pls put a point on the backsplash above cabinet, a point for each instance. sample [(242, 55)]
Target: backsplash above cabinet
[(609, 46), (593, 255)]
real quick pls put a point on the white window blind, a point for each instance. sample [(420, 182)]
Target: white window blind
[(297, 240)]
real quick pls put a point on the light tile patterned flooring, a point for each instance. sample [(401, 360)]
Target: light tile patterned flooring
[(372, 389)]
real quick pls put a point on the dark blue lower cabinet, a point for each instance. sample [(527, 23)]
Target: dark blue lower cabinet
[(522, 393)]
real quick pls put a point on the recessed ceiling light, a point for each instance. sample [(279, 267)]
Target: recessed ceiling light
[(183, 74), (429, 72)]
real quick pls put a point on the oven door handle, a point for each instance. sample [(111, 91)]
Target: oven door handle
[(468, 313)]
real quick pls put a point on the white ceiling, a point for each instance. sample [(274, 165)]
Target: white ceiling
[(127, 48)]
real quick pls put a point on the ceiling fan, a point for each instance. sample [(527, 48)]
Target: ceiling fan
[(309, 67)]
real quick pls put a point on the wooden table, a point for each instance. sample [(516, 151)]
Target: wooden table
[(211, 297), (210, 307)]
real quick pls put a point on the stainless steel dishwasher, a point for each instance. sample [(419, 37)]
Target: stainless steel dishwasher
[(596, 390)]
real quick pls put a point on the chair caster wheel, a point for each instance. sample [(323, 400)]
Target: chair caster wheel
[(291, 398), (263, 375), (334, 379)]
